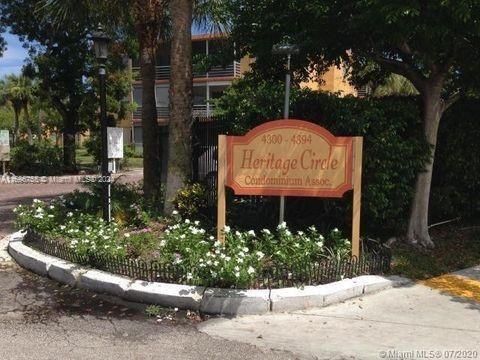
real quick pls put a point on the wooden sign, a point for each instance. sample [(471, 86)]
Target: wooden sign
[(290, 158)]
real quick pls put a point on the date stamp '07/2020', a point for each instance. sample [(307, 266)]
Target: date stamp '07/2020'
[(429, 354)]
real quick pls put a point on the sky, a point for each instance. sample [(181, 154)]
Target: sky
[(13, 58)]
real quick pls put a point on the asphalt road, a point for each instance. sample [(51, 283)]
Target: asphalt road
[(41, 319)]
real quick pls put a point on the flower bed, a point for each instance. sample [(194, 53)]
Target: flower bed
[(181, 251)]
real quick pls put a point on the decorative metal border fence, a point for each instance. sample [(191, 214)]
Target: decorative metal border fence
[(275, 276)]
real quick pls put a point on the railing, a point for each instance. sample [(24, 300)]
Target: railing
[(322, 271), (163, 72), (163, 112)]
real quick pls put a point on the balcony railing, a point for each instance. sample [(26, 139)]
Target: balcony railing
[(163, 112), (163, 72)]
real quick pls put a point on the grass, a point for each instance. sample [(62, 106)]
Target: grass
[(85, 161), (456, 248)]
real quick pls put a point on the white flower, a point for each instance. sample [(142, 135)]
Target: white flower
[(176, 309), (187, 221), (197, 222), (69, 214), (237, 233), (260, 255), (211, 238), (226, 229), (250, 270), (288, 233), (36, 201), (189, 277), (228, 258), (52, 207), (236, 268), (321, 237), (127, 235), (266, 231), (335, 230), (182, 236), (237, 274), (62, 227), (319, 244), (240, 260), (174, 212), (50, 215), (245, 249), (162, 243), (251, 233), (209, 262), (300, 233), (282, 225)]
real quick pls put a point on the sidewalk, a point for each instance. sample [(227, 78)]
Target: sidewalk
[(440, 314)]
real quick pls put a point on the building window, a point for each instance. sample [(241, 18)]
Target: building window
[(137, 95), (138, 135), (199, 48), (161, 95), (199, 95), (216, 91)]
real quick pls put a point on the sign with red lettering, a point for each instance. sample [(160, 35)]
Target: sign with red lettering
[(289, 158)]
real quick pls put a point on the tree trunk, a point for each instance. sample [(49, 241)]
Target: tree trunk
[(69, 132), (16, 127), (29, 125), (433, 108), (151, 156), (179, 130), (148, 15)]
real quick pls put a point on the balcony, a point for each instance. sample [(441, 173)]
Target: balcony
[(163, 112), (163, 72)]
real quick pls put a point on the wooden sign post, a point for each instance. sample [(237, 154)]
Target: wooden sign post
[(290, 158)]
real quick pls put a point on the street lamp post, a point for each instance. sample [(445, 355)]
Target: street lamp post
[(285, 48), (100, 44)]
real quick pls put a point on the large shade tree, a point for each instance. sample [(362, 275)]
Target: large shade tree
[(434, 44), (140, 24)]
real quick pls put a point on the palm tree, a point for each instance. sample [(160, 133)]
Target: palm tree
[(181, 78), (211, 15), (395, 85), (149, 19), (17, 91)]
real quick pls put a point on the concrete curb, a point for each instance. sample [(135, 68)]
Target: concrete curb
[(208, 300)]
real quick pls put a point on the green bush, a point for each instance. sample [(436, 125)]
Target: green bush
[(191, 201), (456, 170), (38, 159), (394, 149)]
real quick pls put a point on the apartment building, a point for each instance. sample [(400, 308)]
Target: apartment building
[(208, 85)]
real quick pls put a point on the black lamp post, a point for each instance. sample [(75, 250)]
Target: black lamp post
[(100, 44), (285, 48)]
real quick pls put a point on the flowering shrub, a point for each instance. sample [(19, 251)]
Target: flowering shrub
[(84, 233), (202, 260)]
